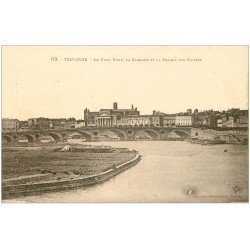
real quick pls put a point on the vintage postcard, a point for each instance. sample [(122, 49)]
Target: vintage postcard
[(125, 124)]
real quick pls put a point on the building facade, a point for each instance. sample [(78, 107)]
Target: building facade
[(70, 123), (40, 123), (210, 121), (23, 126), (242, 121), (108, 117), (137, 120), (131, 117), (10, 125), (80, 124), (219, 123), (57, 123), (185, 120), (168, 120), (230, 122), (156, 120)]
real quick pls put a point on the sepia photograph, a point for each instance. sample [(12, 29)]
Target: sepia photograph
[(125, 124)]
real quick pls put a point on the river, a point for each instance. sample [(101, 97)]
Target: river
[(169, 171)]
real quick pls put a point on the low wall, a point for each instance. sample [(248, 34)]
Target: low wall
[(13, 191)]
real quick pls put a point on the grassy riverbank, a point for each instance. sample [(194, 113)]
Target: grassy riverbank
[(36, 164)]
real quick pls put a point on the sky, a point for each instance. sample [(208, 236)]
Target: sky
[(169, 79)]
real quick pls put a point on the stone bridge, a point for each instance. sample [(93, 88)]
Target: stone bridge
[(102, 133)]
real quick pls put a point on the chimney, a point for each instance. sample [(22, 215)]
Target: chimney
[(115, 105)]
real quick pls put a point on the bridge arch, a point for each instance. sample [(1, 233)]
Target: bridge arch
[(95, 132), (55, 136), (121, 134), (75, 135), (64, 134), (7, 138), (182, 133), (142, 134), (153, 134), (15, 137), (130, 132), (38, 136), (87, 135), (109, 134), (29, 137)]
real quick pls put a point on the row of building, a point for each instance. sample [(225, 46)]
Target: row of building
[(116, 117), (225, 121), (231, 118), (41, 123), (131, 117)]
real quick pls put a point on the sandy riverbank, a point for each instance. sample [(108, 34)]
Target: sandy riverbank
[(36, 165)]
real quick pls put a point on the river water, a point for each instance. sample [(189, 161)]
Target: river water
[(169, 171)]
